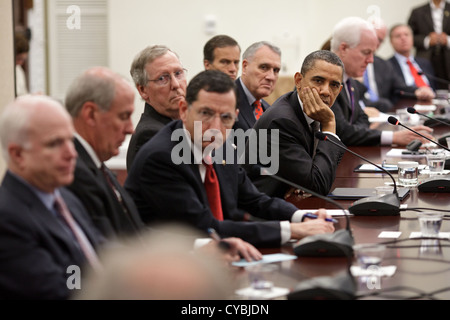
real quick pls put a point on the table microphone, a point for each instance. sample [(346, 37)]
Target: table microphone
[(395, 122), (414, 111), (432, 184), (386, 205), (421, 73), (336, 244)]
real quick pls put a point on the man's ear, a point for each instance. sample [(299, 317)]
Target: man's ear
[(88, 113), (142, 91), (298, 78), (15, 154), (183, 108)]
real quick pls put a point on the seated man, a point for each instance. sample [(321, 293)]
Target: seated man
[(45, 231), (291, 117), (174, 178)]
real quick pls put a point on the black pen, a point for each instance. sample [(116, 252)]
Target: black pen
[(313, 216), (215, 236)]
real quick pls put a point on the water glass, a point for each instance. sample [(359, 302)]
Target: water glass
[(436, 162), (430, 223), (369, 254), (408, 173)]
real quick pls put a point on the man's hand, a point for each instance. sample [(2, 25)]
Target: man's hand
[(315, 108)]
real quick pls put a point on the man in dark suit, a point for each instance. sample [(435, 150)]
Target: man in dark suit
[(401, 38), (385, 86), (354, 40), (261, 64), (174, 179), (430, 24), (160, 79), (292, 116), (101, 104), (41, 247)]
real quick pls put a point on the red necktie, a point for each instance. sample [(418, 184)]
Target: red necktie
[(213, 189), (258, 109), (81, 238), (417, 78)]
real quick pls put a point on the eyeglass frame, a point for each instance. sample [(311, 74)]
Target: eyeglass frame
[(169, 75), (213, 116)]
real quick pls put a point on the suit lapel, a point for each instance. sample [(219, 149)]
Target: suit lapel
[(40, 214)]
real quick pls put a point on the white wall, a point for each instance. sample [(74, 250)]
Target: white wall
[(297, 26), (7, 62)]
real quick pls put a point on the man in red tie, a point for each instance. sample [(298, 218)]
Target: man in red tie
[(169, 180), (413, 70), (261, 64)]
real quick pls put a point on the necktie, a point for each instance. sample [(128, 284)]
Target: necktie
[(79, 235), (315, 127), (352, 99), (112, 186), (213, 189), (373, 96), (258, 109), (417, 78)]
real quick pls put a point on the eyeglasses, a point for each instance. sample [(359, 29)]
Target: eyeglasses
[(207, 115), (165, 78)]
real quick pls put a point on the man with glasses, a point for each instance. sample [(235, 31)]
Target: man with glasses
[(189, 173), (160, 79)]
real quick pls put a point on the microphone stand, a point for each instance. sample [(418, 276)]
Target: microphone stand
[(386, 205)]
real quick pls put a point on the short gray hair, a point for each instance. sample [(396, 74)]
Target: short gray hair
[(148, 55), (92, 87), (15, 120), (349, 30), (251, 50)]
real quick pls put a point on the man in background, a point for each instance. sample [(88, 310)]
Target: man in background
[(222, 53), (430, 24), (261, 66), (413, 70), (354, 40), (160, 79)]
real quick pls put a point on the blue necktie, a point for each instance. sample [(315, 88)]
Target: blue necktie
[(372, 95)]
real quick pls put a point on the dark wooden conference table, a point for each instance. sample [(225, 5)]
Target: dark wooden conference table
[(423, 266)]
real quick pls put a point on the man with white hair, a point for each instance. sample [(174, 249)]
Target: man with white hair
[(354, 40)]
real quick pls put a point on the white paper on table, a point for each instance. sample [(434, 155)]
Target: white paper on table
[(421, 108), (418, 234), (390, 234), (382, 117), (383, 271), (267, 258), (273, 293)]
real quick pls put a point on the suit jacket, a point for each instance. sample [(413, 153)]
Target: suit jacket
[(421, 23), (149, 124), (353, 127), (91, 186), (165, 191), (246, 117), (35, 250), (295, 147), (424, 64), (390, 85)]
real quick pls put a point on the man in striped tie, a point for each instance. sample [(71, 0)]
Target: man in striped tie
[(43, 249)]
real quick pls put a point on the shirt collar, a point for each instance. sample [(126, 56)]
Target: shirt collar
[(441, 5), (251, 99), (89, 150)]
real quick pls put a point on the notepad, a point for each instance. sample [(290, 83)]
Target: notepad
[(267, 258)]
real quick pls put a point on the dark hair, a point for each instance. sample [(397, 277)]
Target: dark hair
[(21, 44), (324, 55), (210, 81), (220, 41)]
